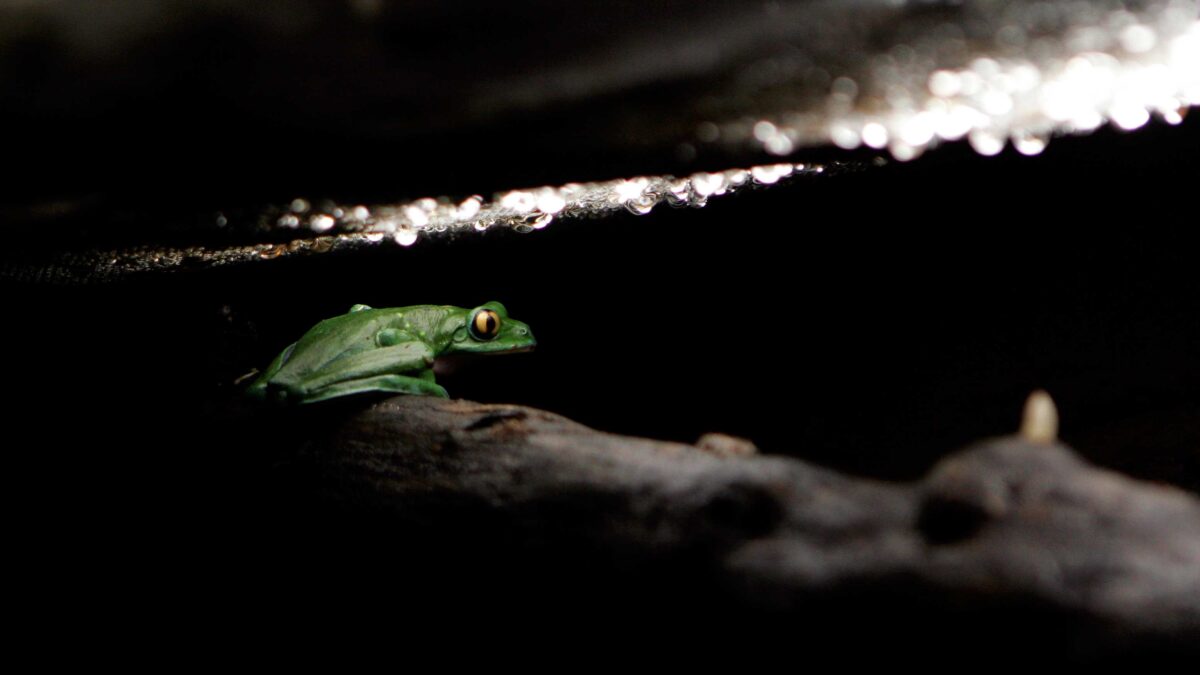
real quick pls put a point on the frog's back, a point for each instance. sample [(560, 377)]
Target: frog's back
[(336, 337)]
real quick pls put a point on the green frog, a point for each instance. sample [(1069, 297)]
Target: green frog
[(386, 350)]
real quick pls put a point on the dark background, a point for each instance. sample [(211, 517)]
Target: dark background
[(872, 322)]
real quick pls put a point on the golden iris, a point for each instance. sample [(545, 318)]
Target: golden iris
[(485, 325)]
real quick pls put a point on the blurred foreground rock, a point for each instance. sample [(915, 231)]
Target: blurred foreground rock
[(1010, 536)]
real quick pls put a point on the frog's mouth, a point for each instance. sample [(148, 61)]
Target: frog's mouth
[(452, 363)]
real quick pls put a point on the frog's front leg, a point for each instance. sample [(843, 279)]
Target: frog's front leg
[(397, 369)]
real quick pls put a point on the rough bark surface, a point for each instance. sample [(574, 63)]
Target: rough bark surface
[(1003, 524)]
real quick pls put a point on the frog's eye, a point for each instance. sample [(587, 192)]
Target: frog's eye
[(485, 325)]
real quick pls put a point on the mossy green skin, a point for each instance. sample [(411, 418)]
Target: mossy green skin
[(386, 350)]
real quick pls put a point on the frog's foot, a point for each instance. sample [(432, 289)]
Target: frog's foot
[(399, 384), (257, 390), (262, 390), (269, 393)]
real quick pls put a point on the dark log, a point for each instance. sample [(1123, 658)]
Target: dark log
[(1006, 533)]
